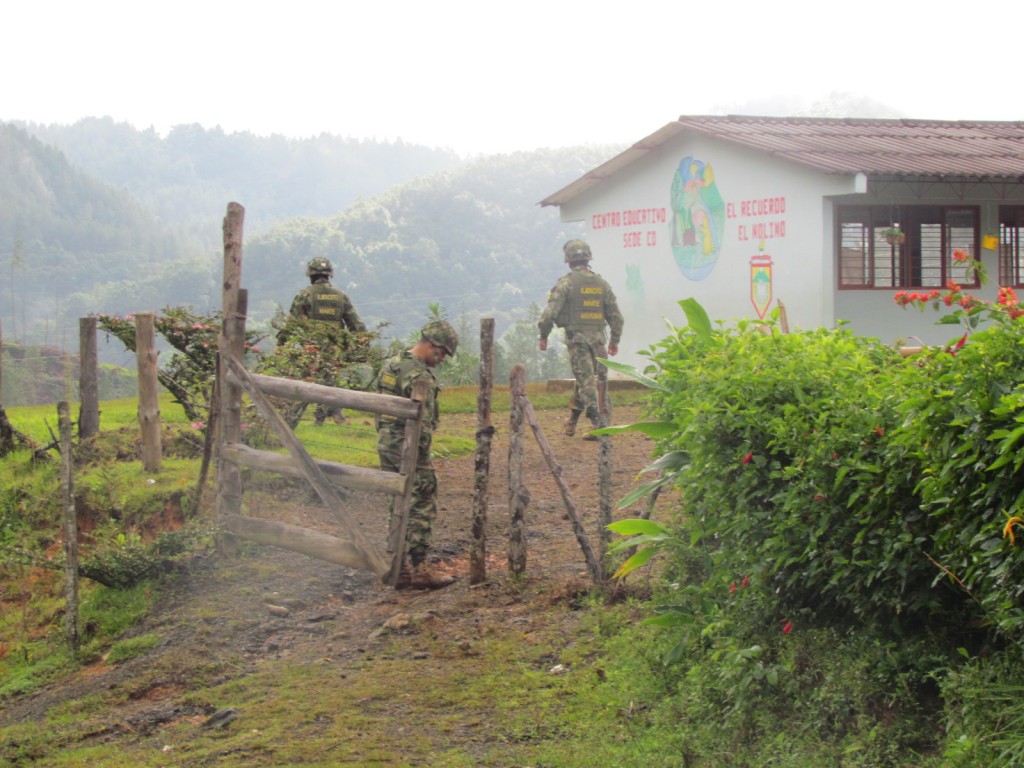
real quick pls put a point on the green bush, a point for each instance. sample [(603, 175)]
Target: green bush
[(962, 424), (828, 485), (788, 469)]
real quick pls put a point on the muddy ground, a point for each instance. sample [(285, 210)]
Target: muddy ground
[(222, 619)]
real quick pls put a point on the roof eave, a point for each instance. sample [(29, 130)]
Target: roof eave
[(605, 170)]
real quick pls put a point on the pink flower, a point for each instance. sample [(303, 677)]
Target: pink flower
[(732, 587), (959, 254), (787, 627), (748, 457), (746, 582)]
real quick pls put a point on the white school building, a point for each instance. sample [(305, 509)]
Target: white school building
[(743, 212)]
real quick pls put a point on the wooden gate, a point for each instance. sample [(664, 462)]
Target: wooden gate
[(328, 479)]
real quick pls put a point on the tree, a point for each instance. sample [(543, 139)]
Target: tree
[(518, 346), (192, 369)]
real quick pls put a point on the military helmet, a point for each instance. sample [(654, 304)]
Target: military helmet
[(576, 250), (441, 333), (319, 266)]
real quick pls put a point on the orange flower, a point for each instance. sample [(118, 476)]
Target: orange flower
[(959, 254)]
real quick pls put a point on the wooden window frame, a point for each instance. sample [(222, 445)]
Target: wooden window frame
[(924, 260), (1011, 246)]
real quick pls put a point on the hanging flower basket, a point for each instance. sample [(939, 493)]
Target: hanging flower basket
[(894, 235)]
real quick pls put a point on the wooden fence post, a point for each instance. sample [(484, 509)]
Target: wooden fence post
[(70, 528), (149, 397), (518, 494), (88, 379), (604, 482), (229, 425), (399, 522), (482, 463), (593, 562)]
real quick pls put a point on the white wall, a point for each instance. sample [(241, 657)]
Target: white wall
[(767, 211), (770, 212)]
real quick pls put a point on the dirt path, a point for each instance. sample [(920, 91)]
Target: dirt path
[(224, 619)]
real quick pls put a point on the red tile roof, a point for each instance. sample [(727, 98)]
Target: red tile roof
[(917, 149)]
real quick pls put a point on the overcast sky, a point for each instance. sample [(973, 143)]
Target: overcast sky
[(482, 77)]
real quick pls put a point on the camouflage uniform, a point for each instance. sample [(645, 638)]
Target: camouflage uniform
[(397, 378), (582, 302), (322, 302)]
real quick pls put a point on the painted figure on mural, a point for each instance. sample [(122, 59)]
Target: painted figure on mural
[(438, 340), (583, 303)]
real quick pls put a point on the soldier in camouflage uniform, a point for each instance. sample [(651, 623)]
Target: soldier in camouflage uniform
[(582, 302), (323, 302), (437, 341)]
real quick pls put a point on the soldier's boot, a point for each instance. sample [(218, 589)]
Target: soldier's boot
[(404, 575), (570, 423), (597, 425), (423, 577)]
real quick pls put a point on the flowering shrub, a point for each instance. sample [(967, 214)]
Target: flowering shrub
[(969, 311), (191, 370), (322, 353)]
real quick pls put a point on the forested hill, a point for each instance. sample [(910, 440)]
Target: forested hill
[(141, 230), (192, 171), (473, 240), (62, 230)]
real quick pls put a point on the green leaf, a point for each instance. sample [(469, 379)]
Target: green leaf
[(698, 319), (673, 460), (637, 560), (643, 490), (633, 373), (653, 429), (634, 526)]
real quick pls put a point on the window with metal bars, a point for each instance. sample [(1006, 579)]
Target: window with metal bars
[(1011, 255), (922, 257)]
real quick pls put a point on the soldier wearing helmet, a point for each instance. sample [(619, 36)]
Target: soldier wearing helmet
[(583, 303), (437, 341), (322, 302)]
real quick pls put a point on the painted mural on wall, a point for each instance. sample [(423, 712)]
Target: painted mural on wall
[(761, 282), (698, 218), (696, 226)]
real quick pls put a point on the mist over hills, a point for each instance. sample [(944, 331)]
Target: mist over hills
[(180, 178), (101, 217)]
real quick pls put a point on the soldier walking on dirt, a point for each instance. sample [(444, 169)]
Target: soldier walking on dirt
[(438, 340), (322, 302), (582, 302)]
